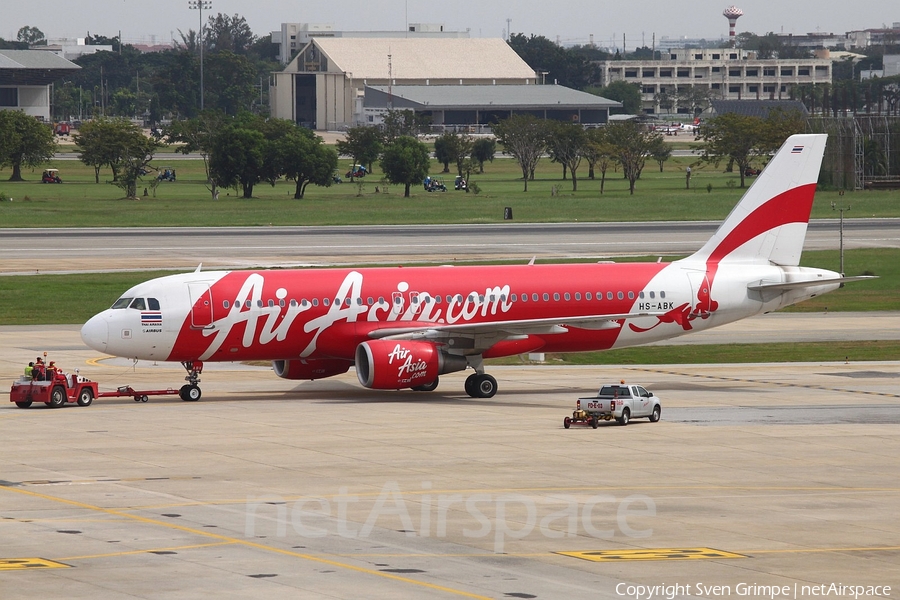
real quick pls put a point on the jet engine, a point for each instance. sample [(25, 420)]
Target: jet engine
[(318, 368), (394, 365)]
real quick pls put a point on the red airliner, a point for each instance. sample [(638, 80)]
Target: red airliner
[(403, 327)]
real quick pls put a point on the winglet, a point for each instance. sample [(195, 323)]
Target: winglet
[(198, 268)]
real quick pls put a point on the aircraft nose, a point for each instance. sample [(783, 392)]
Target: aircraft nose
[(95, 333)]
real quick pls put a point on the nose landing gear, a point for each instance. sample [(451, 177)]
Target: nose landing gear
[(190, 392)]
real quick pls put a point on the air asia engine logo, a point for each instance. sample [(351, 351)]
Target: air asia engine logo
[(272, 322), (408, 367)]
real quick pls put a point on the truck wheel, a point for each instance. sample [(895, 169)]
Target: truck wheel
[(567, 422), (24, 404), (626, 416), (657, 412), (57, 397), (595, 421), (85, 397)]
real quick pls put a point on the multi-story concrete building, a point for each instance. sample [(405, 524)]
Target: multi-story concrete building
[(722, 73)]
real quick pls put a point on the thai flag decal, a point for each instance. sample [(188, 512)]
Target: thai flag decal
[(151, 318), (796, 149)]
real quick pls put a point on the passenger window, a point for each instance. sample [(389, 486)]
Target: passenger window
[(662, 294), (370, 301), (122, 303), (225, 303), (620, 295), (587, 296), (641, 295), (248, 304), (153, 303), (567, 296), (631, 295), (524, 297), (315, 301), (556, 296), (534, 297), (609, 295), (281, 302), (546, 297), (138, 304), (577, 296), (652, 295), (324, 301), (259, 303), (271, 303)]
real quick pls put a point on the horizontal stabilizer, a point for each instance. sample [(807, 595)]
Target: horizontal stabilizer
[(805, 284)]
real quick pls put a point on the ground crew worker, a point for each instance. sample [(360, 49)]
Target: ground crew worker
[(39, 372), (29, 370), (51, 371)]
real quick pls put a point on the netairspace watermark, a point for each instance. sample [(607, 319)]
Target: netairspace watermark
[(508, 516), (751, 590)]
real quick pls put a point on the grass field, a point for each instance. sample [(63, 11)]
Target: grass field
[(79, 202)]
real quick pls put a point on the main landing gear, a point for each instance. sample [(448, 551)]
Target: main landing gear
[(481, 385), (190, 392)]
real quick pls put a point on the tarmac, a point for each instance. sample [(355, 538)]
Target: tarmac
[(766, 480)]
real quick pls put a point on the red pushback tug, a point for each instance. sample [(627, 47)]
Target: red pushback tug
[(55, 392)]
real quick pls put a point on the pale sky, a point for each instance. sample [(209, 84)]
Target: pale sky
[(569, 21)]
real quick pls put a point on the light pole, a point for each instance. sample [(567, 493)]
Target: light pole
[(841, 209), (200, 5)]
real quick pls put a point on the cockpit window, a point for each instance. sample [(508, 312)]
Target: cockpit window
[(138, 304), (152, 304), (122, 303)]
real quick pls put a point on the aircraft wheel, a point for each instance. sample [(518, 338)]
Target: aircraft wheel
[(485, 386), (567, 422), (428, 387), (85, 397), (191, 393), (471, 385), (655, 415), (57, 397), (25, 404)]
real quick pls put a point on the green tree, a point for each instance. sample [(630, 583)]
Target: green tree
[(629, 94), (228, 34), (197, 135), (238, 157), (741, 139), (363, 144), (406, 160), (24, 141), (631, 145), (566, 142), (102, 143), (483, 150), (137, 152), (31, 36), (524, 137), (399, 123), (660, 151), (443, 149), (302, 157), (567, 67), (229, 82)]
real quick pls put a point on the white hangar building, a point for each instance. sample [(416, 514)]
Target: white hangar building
[(324, 85)]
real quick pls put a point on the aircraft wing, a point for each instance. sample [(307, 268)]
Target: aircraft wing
[(499, 330)]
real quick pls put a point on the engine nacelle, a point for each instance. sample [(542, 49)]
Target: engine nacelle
[(393, 365), (317, 368)]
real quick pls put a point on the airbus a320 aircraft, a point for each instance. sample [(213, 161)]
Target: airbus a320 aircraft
[(403, 327)]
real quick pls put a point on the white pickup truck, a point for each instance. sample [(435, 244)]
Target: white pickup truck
[(616, 401)]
